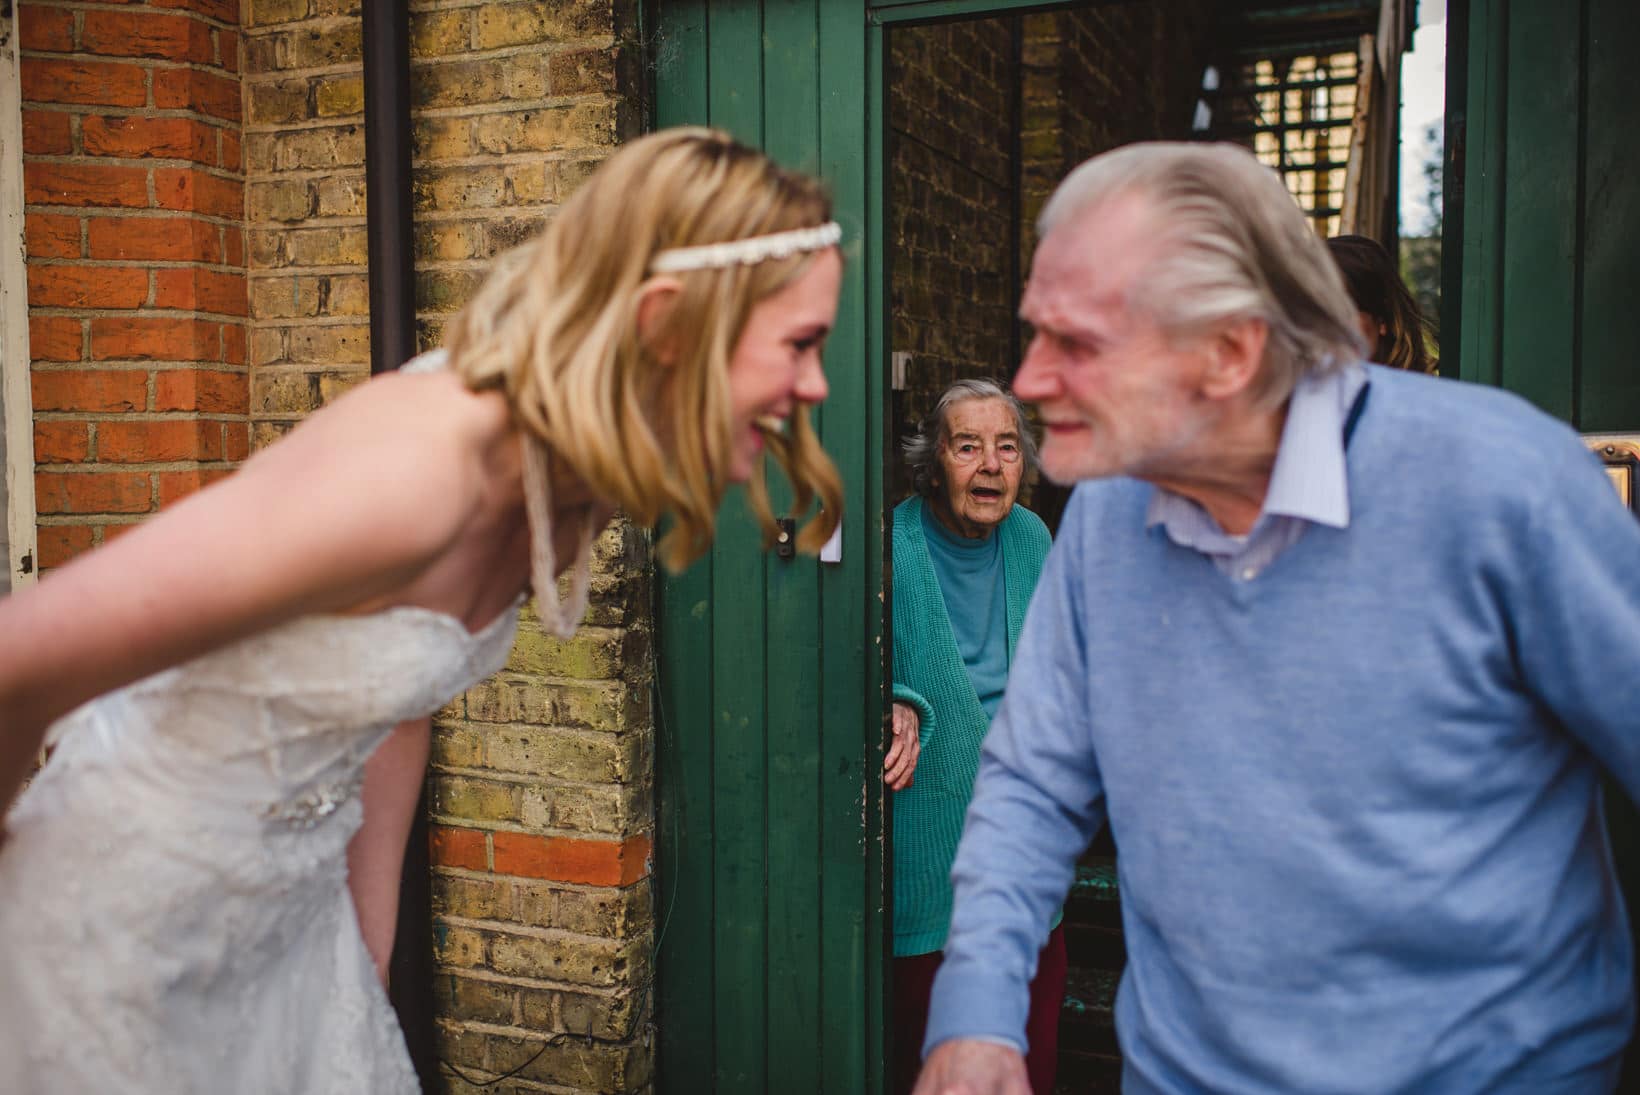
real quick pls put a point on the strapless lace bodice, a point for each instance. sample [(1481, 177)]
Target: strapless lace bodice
[(174, 914)]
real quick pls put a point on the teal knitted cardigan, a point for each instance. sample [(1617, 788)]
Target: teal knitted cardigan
[(929, 675)]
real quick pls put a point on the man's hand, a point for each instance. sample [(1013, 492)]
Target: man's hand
[(965, 1067), (901, 761)]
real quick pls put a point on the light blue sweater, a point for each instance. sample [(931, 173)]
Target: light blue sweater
[(1356, 799)]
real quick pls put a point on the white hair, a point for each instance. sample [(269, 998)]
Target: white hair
[(1232, 245), (922, 449)]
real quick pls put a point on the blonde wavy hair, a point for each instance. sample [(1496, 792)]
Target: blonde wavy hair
[(555, 326)]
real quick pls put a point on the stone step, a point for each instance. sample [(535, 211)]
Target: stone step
[(1089, 1060), (1093, 917)]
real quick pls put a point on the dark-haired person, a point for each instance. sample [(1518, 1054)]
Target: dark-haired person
[(1390, 319)]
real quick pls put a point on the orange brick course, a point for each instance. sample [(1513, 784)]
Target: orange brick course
[(133, 223)]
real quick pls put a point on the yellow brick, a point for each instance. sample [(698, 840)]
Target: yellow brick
[(332, 44), (560, 754), (446, 290), (457, 747), (339, 96), (473, 999), (328, 246), (264, 433), (340, 195), (591, 655), (280, 298), (279, 200), (442, 138), (315, 149), (456, 946), (548, 129), (261, 13), (348, 295), (450, 241), (604, 811), (275, 103), (475, 799), (577, 960), (439, 33), (517, 24), (329, 345), (470, 898), (267, 347)]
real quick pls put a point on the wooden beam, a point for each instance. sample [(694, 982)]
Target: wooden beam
[(15, 402)]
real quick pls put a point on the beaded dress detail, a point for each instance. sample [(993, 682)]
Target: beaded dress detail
[(174, 911)]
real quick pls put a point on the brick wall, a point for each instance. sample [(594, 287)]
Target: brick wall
[(136, 287), (953, 192), (541, 782)]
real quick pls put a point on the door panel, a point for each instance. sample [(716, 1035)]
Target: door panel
[(772, 897)]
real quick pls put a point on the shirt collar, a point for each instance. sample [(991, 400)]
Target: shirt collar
[(1309, 480)]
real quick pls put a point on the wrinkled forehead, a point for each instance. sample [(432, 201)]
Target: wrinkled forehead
[(982, 417), (1092, 261)]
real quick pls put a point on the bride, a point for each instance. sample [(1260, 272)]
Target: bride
[(175, 905)]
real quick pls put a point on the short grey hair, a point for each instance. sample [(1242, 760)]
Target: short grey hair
[(922, 449), (1234, 245)]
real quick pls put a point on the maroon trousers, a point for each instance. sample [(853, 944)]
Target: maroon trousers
[(914, 981)]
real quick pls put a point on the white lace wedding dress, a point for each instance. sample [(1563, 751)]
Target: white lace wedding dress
[(174, 911)]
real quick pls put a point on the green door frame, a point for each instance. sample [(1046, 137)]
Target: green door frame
[(773, 930)]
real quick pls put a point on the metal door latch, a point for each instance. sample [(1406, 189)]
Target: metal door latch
[(785, 541)]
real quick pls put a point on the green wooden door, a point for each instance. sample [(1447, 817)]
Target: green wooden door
[(772, 898), (1542, 172)]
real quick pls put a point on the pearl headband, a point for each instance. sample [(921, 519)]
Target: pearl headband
[(745, 252)]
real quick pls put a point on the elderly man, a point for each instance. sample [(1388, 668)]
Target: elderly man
[(1337, 651)]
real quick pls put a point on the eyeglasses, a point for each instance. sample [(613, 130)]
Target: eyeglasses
[(967, 451)]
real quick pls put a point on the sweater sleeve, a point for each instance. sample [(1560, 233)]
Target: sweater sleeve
[(1576, 610), (1037, 802), (904, 693)]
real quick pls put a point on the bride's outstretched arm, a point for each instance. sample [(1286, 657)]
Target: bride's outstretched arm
[(375, 857), (348, 509)]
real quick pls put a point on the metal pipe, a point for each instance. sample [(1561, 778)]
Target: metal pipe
[(389, 243)]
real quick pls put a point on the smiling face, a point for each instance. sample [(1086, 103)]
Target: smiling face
[(981, 463), (1116, 394), (776, 364)]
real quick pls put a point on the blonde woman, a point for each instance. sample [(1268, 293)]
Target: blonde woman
[(174, 885)]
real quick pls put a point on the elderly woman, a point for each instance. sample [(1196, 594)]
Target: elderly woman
[(965, 562)]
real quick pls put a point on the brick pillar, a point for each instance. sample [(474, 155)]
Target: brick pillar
[(542, 782), (136, 288), (542, 776)]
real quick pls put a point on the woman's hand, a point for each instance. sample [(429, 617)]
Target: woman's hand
[(901, 761)]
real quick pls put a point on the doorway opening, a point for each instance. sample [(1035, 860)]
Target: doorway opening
[(983, 116)]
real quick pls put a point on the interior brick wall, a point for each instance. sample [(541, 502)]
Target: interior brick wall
[(133, 190)]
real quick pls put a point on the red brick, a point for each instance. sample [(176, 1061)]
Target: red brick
[(186, 188), (92, 492), (201, 291), (86, 286), (145, 34), (181, 239), (562, 859), (136, 137), (236, 441), (61, 442), (191, 89), (60, 543), (84, 184), (233, 344), (144, 339), (232, 158), (458, 848), (175, 485), (104, 391), (50, 29), (203, 390), (227, 45), (162, 441), (92, 82), (47, 133), (226, 11), (52, 237), (54, 338)]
